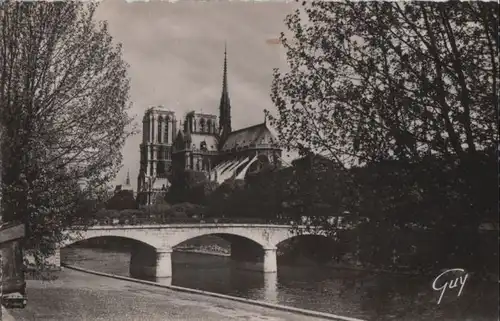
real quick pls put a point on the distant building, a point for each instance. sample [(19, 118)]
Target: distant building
[(202, 143), (123, 197), (125, 187)]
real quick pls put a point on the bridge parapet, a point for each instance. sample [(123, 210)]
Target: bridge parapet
[(161, 220), (188, 225), (170, 235)]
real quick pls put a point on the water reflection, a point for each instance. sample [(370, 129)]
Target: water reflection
[(164, 281), (271, 287), (355, 294)]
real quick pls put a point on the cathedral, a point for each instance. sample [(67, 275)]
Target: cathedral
[(200, 142)]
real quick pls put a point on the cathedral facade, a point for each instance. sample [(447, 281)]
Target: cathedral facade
[(200, 142)]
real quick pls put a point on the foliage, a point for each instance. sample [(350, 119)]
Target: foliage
[(401, 96), (317, 188), (159, 207), (63, 98), (122, 200), (155, 214), (376, 81), (222, 202), (186, 210), (190, 186), (305, 189)]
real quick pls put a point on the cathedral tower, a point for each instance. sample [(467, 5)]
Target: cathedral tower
[(158, 130)]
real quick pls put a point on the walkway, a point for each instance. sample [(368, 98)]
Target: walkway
[(6, 315), (78, 296)]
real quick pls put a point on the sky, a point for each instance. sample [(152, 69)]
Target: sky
[(175, 53)]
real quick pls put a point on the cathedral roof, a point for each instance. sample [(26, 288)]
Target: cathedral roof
[(160, 183), (257, 134), (210, 140)]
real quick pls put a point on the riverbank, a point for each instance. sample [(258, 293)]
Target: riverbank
[(348, 266), (6, 316), (78, 296), (202, 251)]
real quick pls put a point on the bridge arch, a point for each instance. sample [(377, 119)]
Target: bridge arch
[(79, 236), (142, 254), (240, 235), (317, 247), (225, 237), (244, 252)]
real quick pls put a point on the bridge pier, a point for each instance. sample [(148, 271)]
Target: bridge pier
[(270, 265), (163, 268), (55, 259), (271, 287)]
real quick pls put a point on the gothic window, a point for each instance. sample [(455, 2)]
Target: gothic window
[(203, 146), (191, 161), (146, 132), (167, 123), (205, 165), (160, 171), (209, 126), (202, 125), (198, 164), (160, 121)]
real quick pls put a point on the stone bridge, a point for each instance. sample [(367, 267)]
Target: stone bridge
[(253, 245)]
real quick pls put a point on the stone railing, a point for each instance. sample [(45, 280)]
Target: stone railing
[(249, 147), (158, 219), (206, 152)]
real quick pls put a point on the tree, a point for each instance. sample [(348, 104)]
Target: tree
[(224, 199), (189, 186), (316, 188), (405, 91), (63, 100), (122, 200)]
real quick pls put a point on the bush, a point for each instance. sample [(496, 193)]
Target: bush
[(158, 209), (187, 210), (190, 186), (122, 200)]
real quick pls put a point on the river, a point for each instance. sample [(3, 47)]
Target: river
[(363, 295)]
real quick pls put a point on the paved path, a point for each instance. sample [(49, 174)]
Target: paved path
[(84, 297), (6, 315)]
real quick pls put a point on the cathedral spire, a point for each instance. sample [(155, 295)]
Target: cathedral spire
[(225, 104)]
